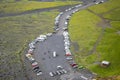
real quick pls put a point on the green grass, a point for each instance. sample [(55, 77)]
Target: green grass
[(15, 34), (20, 29), (86, 31), (22, 6), (113, 15), (80, 33), (105, 7)]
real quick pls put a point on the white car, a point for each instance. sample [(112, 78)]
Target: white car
[(76, 10), (54, 54), (39, 73), (30, 51), (66, 23), (42, 38), (67, 43), (66, 37), (99, 2), (51, 74), (78, 5), (30, 58), (57, 18), (66, 40), (59, 67), (65, 33), (69, 9), (49, 34), (69, 58), (58, 73), (66, 47), (68, 17), (31, 45), (61, 13), (65, 28), (66, 10), (56, 23)]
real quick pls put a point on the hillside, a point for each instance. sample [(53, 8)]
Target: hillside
[(95, 36)]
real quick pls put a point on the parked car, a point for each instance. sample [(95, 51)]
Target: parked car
[(74, 65), (73, 12), (34, 64), (68, 17), (56, 23), (42, 38), (66, 24), (65, 28), (67, 43), (65, 33), (66, 37), (66, 40), (51, 74), (49, 34), (29, 57), (31, 46), (68, 53), (69, 58), (78, 5), (76, 10), (66, 10), (30, 51), (39, 72), (61, 13), (59, 67), (99, 2), (54, 54), (66, 47), (69, 9), (35, 68), (61, 71), (58, 73), (54, 73)]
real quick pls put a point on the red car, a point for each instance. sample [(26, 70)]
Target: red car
[(74, 65), (34, 64)]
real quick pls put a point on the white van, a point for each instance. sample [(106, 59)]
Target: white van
[(54, 54)]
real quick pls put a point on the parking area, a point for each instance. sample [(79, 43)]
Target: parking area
[(52, 51)]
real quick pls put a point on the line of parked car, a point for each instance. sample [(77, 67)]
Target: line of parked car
[(98, 2), (67, 50), (68, 54), (30, 52), (56, 28), (34, 64), (60, 71)]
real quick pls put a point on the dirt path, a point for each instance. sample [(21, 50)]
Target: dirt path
[(104, 23)]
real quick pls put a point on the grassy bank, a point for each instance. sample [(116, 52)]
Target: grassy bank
[(94, 48), (15, 34), (21, 6)]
